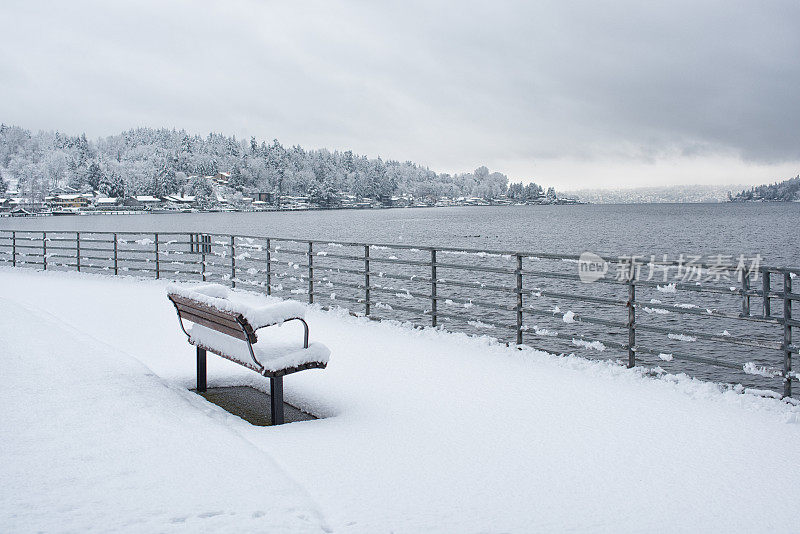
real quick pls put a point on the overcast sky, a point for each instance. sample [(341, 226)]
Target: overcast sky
[(571, 94)]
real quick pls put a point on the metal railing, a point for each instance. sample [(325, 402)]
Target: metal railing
[(529, 298)]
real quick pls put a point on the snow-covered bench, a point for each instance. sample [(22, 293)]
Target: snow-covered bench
[(225, 323)]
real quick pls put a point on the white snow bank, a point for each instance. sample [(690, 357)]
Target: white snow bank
[(426, 431), (225, 299)]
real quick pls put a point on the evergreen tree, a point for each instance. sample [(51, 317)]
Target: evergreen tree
[(75, 178), (82, 144), (169, 179), (94, 176), (236, 179), (203, 191), (111, 185)]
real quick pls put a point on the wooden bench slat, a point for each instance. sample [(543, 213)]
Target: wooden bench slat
[(219, 327), (210, 314), (184, 301), (217, 318)]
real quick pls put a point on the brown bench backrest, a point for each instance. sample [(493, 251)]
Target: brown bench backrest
[(230, 323)]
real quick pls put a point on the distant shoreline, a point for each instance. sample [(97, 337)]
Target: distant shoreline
[(84, 213)]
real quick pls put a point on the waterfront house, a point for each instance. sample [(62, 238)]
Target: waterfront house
[(142, 201), (64, 190), (67, 201), (395, 201), (148, 200), (348, 201), (267, 197), (19, 211), (106, 202), (290, 202), (181, 200), (221, 178)]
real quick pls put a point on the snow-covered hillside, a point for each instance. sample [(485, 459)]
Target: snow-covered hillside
[(423, 431)]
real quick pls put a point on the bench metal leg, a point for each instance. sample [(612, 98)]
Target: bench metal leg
[(276, 396), (201, 370)]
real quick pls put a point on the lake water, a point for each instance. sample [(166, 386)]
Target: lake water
[(769, 230)]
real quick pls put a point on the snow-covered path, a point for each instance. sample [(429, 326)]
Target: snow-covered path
[(425, 432), (92, 439)]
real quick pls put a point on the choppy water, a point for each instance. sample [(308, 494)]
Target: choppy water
[(769, 230)]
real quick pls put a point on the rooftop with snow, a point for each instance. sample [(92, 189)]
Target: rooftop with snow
[(419, 430)]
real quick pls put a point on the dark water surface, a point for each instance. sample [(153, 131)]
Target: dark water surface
[(769, 229)]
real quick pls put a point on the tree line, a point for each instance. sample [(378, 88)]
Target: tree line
[(158, 162), (785, 191)]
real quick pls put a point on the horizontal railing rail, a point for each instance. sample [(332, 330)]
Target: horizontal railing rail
[(517, 296)]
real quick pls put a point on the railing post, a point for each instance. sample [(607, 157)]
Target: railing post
[(631, 316), (745, 293), (310, 272), (116, 264), (787, 334), (519, 299), (78, 250), (433, 287), (158, 266), (366, 280), (269, 269), (233, 261), (765, 289), (202, 258), (44, 250), (13, 248)]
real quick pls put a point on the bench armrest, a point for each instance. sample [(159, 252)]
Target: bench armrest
[(274, 314), (301, 319)]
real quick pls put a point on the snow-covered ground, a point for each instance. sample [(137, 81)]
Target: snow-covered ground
[(424, 431)]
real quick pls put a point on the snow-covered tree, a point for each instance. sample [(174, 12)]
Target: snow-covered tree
[(203, 191), (111, 185), (156, 161), (94, 176), (236, 179)]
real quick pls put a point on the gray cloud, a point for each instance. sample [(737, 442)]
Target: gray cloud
[(451, 85)]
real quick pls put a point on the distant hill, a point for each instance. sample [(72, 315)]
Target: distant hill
[(657, 194), (785, 191)]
